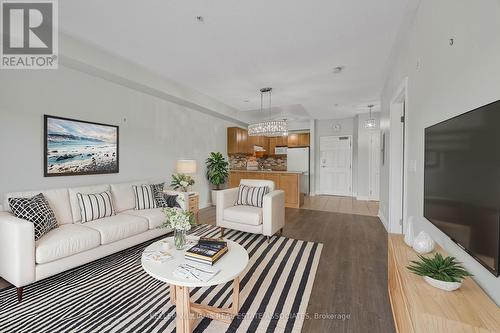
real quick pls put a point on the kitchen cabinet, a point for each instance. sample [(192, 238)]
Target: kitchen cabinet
[(304, 139), (293, 140), (298, 140), (289, 182), (237, 141)]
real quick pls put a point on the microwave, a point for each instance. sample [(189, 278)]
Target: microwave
[(280, 150)]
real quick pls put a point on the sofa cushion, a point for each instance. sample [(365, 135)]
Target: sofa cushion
[(73, 200), (65, 241), (118, 227), (154, 216), (58, 200), (244, 214), (123, 196)]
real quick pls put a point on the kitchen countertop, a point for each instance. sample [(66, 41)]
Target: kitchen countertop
[(265, 171)]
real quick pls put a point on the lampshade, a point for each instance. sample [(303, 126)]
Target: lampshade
[(186, 166)]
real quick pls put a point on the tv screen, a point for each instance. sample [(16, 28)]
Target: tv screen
[(462, 181)]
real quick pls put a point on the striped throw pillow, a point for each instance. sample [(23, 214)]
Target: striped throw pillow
[(144, 197), (251, 195), (95, 206)]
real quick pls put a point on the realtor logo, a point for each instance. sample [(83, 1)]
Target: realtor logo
[(29, 34)]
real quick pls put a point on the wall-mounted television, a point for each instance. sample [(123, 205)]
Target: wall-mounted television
[(462, 181)]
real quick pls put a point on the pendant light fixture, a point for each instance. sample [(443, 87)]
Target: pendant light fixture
[(370, 122), (269, 127)]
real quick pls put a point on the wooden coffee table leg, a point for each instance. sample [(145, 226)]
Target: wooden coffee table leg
[(172, 294), (236, 297), (183, 315)]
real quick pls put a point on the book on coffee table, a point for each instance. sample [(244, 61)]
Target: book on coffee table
[(206, 253)]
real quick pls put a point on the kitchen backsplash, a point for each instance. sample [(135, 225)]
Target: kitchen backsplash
[(277, 163)]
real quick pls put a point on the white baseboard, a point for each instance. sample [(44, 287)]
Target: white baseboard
[(383, 219)]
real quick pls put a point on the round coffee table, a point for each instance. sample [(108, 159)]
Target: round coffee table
[(231, 265)]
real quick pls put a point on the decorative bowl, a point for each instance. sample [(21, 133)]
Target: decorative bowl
[(443, 285)]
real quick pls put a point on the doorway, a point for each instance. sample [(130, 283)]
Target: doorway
[(397, 160), (374, 166), (335, 165)]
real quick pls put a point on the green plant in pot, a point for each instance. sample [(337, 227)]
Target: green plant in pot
[(443, 273), (217, 172)]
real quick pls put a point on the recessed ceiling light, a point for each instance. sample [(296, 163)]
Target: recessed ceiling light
[(338, 69)]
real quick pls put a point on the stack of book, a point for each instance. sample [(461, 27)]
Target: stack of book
[(207, 251)]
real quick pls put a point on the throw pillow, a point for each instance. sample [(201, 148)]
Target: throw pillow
[(171, 200), (251, 195), (144, 198), (95, 206), (36, 210), (158, 194)]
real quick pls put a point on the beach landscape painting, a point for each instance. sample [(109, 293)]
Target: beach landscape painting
[(75, 147)]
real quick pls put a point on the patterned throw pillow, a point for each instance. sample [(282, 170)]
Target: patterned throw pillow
[(144, 198), (95, 206), (251, 195), (36, 210), (158, 194)]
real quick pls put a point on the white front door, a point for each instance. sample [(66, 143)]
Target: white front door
[(374, 165), (335, 165)]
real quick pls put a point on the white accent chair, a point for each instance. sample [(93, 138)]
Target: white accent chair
[(266, 220)]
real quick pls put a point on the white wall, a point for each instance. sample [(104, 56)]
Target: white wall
[(443, 81), (325, 127), (154, 132), (363, 150)]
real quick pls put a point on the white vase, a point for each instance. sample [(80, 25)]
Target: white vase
[(423, 243), (443, 285), (409, 234)]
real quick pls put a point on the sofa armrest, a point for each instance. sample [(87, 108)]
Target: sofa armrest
[(17, 250), (225, 199), (273, 214), (182, 198)]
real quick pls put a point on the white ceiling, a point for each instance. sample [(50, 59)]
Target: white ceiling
[(290, 45)]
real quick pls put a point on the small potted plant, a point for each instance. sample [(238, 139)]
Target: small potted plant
[(443, 273), (179, 220), (181, 182), (217, 172)]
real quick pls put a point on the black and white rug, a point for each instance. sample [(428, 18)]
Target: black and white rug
[(114, 294)]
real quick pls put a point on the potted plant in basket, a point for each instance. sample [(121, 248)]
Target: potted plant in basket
[(181, 182), (443, 273), (217, 172), (179, 220)]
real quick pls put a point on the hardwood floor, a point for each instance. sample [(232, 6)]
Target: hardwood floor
[(351, 281), (346, 205)]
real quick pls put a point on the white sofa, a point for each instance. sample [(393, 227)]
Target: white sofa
[(24, 261), (266, 220)]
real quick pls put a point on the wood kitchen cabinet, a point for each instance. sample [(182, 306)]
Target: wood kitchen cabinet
[(293, 140), (237, 141), (298, 140), (304, 139), (289, 182)]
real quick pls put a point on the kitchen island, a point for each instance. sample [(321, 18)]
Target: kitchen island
[(287, 181)]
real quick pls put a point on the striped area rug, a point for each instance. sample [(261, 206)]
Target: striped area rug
[(114, 294)]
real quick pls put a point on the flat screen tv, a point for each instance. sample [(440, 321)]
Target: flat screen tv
[(462, 181)]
